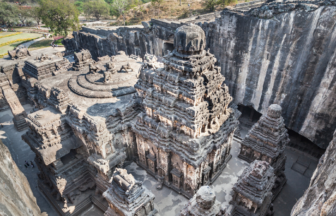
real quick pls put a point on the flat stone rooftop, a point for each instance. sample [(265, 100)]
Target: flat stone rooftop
[(6, 61), (88, 91)]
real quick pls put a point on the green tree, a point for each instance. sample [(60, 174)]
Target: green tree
[(96, 8), (121, 7), (24, 13), (21, 2), (60, 15), (35, 15), (210, 4), (8, 13)]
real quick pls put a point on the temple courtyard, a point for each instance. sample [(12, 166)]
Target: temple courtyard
[(299, 169)]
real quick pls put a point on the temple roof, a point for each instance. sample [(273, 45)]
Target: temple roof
[(256, 181), (269, 135)]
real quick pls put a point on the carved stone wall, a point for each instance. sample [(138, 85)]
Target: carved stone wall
[(279, 53)]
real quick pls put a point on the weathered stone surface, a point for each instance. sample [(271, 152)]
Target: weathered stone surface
[(252, 194), (126, 196), (288, 60), (15, 192), (184, 136), (203, 203), (267, 141), (319, 198)]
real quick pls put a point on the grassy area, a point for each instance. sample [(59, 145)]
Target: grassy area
[(40, 44), (6, 33), (20, 36), (59, 42), (4, 49)]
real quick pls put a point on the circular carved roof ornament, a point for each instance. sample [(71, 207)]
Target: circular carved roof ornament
[(189, 38)]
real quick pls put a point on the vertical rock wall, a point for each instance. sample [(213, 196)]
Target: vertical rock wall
[(16, 196), (289, 60), (320, 197), (286, 59)]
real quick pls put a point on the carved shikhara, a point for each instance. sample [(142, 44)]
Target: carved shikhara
[(252, 194), (89, 120), (266, 141), (184, 136)]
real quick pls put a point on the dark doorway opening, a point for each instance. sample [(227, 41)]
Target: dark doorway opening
[(298, 142), (167, 46)]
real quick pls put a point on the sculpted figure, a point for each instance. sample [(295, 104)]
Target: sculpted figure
[(19, 53), (93, 68), (107, 76), (111, 67), (126, 67)]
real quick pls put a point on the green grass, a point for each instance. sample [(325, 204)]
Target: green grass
[(4, 49), (59, 42), (41, 44), (20, 36), (6, 33)]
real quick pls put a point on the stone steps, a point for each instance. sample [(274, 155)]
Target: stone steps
[(100, 203), (20, 124)]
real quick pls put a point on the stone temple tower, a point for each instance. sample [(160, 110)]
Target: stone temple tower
[(267, 141), (252, 194), (184, 136)]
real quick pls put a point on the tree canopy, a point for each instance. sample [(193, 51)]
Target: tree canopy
[(121, 6), (96, 8), (60, 15), (8, 13)]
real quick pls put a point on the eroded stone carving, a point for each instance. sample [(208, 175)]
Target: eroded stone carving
[(175, 145), (203, 203), (267, 141), (126, 196), (126, 68), (19, 53), (252, 194)]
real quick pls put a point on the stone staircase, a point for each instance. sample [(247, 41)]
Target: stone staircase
[(17, 110), (101, 203)]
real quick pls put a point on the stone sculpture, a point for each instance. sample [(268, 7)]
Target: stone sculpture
[(127, 197), (126, 68), (43, 57), (19, 53), (82, 59), (266, 141), (93, 68), (203, 203), (252, 194), (173, 148)]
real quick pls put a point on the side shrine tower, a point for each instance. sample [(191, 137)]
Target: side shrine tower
[(267, 141), (252, 194), (184, 136)]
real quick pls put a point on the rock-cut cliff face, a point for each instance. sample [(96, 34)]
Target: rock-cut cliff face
[(16, 196), (320, 197), (288, 60), (279, 53)]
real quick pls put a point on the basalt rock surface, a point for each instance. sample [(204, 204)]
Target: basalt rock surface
[(319, 198), (16, 196), (280, 53)]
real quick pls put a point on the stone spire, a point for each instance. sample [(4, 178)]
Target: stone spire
[(252, 194), (267, 141), (187, 129)]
